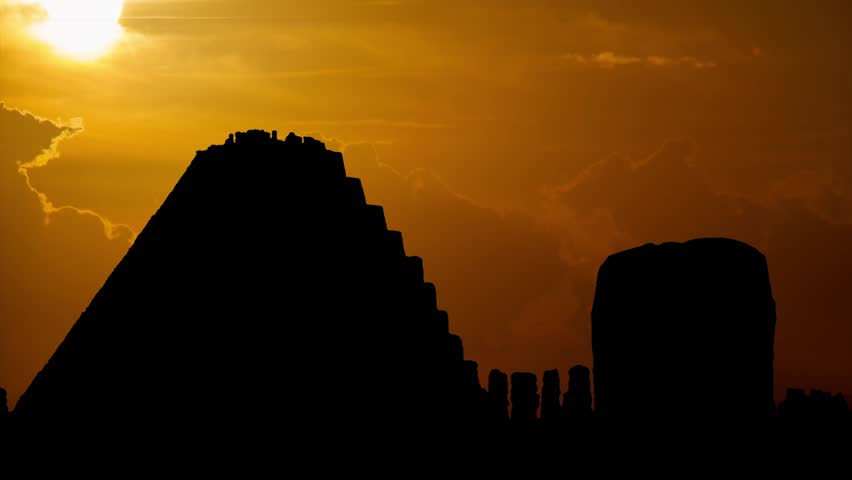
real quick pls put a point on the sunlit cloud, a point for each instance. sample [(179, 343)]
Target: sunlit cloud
[(608, 59), (74, 127)]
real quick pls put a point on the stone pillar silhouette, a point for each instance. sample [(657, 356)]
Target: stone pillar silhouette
[(472, 398), (827, 408), (841, 406), (577, 402), (818, 406), (700, 311), (498, 395), (4, 411), (550, 392), (794, 404), (525, 398)]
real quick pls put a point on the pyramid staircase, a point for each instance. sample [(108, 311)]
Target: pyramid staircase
[(264, 294)]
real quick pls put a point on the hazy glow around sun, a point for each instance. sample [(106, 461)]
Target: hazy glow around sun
[(80, 29)]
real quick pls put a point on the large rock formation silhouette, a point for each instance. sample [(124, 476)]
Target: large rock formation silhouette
[(684, 331), (265, 295)]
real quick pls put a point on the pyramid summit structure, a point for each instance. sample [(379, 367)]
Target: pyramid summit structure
[(264, 294)]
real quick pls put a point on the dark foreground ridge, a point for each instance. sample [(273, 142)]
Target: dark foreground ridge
[(267, 297)]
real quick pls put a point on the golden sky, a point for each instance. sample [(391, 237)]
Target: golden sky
[(553, 132)]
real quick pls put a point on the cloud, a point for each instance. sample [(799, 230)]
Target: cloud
[(823, 193), (608, 59), (376, 122), (111, 229), (50, 270), (688, 61), (661, 197)]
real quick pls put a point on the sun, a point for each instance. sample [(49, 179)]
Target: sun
[(80, 29)]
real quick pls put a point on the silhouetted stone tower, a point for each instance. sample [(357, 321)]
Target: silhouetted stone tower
[(498, 395), (550, 393), (525, 398), (684, 330), (265, 273), (577, 402), (4, 408)]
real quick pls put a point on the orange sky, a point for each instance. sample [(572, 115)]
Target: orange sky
[(552, 132)]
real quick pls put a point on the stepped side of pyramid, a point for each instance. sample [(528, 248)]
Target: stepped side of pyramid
[(265, 293)]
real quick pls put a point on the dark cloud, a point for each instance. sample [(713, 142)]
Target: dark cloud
[(658, 198)]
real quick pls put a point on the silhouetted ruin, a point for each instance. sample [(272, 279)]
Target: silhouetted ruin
[(684, 330), (816, 407), (577, 401), (550, 393), (4, 406), (265, 271), (267, 275), (525, 400), (498, 396)]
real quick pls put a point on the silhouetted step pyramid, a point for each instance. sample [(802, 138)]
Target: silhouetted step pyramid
[(683, 332), (264, 294)]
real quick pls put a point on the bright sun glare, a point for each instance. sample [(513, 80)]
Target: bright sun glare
[(80, 29)]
